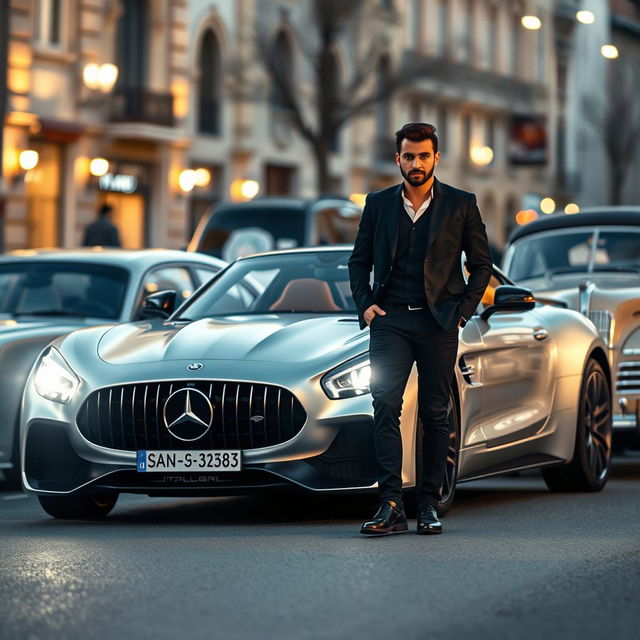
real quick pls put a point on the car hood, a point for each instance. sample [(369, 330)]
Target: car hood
[(14, 329), (272, 338)]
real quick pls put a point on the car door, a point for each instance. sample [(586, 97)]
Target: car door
[(515, 369)]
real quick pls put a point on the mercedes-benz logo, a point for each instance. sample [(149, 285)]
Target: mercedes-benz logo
[(195, 366), (188, 414)]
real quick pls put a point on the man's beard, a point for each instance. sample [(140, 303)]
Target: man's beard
[(419, 177)]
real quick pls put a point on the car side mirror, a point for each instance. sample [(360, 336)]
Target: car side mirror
[(510, 298), (158, 305)]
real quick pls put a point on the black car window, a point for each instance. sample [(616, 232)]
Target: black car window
[(236, 232), (61, 288), (537, 256), (617, 249), (285, 283), (173, 278)]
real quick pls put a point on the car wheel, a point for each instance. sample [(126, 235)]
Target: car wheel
[(451, 471), (79, 507), (589, 467)]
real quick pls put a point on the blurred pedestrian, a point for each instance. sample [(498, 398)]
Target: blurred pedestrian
[(412, 236), (102, 232)]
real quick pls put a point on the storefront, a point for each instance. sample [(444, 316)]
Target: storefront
[(126, 188)]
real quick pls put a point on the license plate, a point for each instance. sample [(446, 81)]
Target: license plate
[(227, 460)]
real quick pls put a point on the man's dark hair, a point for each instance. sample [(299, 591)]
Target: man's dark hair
[(105, 209), (417, 132)]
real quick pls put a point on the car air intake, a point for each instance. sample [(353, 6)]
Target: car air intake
[(244, 416), (628, 377)]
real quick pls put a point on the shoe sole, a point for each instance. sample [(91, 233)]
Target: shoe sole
[(383, 533), (427, 532)]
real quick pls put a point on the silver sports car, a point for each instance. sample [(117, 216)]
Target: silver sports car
[(46, 293), (261, 381)]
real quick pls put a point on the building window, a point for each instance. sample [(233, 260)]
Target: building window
[(541, 61), (279, 180), (48, 22), (416, 14), (467, 32), (383, 125), (132, 45), (442, 129), (283, 70), (515, 46), (466, 138), (443, 27), (209, 102), (491, 137), (492, 35)]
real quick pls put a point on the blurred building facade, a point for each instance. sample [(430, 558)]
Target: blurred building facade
[(192, 93), (479, 75), (137, 126)]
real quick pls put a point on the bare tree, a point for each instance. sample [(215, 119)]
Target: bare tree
[(334, 103), (617, 120)]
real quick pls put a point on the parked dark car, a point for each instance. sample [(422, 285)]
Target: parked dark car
[(235, 230)]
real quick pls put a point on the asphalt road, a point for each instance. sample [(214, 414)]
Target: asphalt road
[(515, 562)]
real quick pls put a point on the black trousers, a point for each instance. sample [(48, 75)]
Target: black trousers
[(397, 340)]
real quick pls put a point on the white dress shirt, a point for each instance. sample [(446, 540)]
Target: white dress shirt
[(408, 207)]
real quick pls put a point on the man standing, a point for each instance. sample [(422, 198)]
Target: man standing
[(412, 236), (102, 232)]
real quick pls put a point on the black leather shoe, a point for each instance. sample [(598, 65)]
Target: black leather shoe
[(389, 518), (428, 521)]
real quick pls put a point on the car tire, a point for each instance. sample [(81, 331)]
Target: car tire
[(93, 507), (589, 467), (453, 456)]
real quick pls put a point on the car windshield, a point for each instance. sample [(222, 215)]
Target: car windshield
[(238, 232), (287, 283), (62, 289), (576, 252)]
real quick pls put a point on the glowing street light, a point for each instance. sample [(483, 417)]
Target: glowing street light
[(482, 156), (609, 51), (586, 17), (187, 180), (547, 205), (572, 208), (203, 177), (101, 77), (98, 167), (28, 159), (533, 23), (526, 216)]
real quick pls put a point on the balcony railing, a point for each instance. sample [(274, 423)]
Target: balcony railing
[(142, 105), (507, 89)]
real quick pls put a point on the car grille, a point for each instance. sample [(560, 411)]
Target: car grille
[(245, 416), (628, 377), (602, 320)]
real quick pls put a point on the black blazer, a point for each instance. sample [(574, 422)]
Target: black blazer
[(455, 226)]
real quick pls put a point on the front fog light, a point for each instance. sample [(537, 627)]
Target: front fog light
[(54, 379), (351, 379)]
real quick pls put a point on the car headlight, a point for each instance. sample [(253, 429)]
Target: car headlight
[(54, 379), (348, 380)]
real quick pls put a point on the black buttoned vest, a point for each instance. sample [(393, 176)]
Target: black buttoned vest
[(406, 282)]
